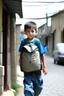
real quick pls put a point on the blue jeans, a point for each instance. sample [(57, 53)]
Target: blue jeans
[(33, 84)]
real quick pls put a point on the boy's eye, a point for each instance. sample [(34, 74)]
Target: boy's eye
[(32, 31)]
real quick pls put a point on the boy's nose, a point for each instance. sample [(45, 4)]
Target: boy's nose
[(30, 32)]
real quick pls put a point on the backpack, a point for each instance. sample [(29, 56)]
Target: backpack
[(30, 58)]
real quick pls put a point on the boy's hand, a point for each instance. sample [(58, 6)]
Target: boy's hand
[(45, 70)]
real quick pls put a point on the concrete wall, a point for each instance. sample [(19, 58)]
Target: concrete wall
[(50, 51), (1, 67), (17, 42), (0, 32), (1, 79), (1, 40), (57, 23), (8, 59), (12, 49), (0, 15)]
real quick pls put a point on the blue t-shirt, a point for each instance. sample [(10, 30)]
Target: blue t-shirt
[(22, 37), (34, 41), (46, 49)]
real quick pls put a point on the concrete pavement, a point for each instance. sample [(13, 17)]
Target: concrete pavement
[(54, 81), (8, 93)]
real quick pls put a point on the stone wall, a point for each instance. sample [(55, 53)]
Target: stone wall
[(1, 79), (12, 50)]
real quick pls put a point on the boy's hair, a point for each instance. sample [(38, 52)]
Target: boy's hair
[(30, 24)]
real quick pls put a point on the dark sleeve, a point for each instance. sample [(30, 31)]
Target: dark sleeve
[(21, 46)]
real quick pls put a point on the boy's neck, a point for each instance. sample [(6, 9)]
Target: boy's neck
[(29, 39)]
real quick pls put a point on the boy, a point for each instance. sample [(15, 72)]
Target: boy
[(33, 80)]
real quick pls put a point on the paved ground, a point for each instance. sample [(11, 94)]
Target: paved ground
[(8, 93), (54, 81)]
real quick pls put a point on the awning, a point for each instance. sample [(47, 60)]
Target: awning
[(14, 6)]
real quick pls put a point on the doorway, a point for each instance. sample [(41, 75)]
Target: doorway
[(62, 36), (5, 35)]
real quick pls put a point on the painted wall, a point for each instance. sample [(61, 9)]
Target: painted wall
[(0, 32), (57, 22), (0, 15), (1, 67)]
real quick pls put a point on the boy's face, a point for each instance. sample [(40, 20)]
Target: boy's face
[(30, 32)]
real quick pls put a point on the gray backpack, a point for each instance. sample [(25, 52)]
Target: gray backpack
[(30, 58)]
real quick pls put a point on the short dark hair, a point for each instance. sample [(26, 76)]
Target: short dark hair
[(29, 25)]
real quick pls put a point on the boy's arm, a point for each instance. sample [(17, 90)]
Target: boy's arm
[(45, 70)]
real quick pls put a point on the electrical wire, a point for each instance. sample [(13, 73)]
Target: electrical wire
[(45, 16), (48, 15), (37, 18), (34, 5), (41, 6), (42, 2)]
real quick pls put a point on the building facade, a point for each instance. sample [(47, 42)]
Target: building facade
[(44, 32), (53, 34), (57, 33), (8, 8)]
